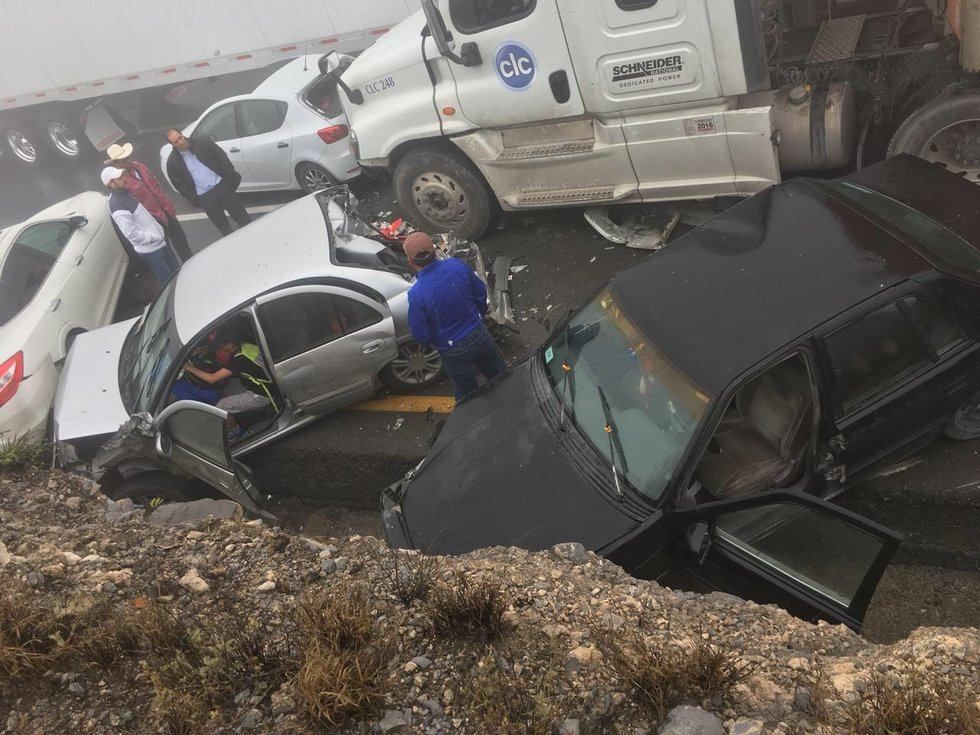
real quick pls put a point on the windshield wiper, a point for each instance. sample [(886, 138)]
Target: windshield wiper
[(150, 376), (615, 445), (567, 382)]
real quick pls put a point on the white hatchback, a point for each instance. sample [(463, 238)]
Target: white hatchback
[(290, 133), (61, 273)]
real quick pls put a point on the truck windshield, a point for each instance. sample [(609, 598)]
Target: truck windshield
[(655, 408), (149, 353), (942, 248)]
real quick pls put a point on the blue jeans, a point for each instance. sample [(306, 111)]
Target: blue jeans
[(161, 263), (184, 390), (474, 353)]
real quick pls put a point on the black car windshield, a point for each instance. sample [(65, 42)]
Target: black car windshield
[(149, 353), (942, 248), (655, 408)]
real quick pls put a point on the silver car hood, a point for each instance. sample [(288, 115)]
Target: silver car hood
[(88, 401)]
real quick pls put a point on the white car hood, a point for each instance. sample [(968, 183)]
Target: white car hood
[(88, 401)]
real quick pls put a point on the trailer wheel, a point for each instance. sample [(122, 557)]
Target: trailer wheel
[(22, 143), (440, 192), (64, 138), (945, 131)]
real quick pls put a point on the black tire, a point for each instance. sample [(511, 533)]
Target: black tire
[(22, 143), (146, 488), (63, 137), (313, 177), (964, 425), (946, 131), (440, 191), (416, 359), (70, 339)]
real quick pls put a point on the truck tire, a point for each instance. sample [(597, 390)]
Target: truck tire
[(416, 368), (63, 137), (21, 143), (945, 131), (441, 192)]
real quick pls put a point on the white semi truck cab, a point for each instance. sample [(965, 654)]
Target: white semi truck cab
[(478, 105)]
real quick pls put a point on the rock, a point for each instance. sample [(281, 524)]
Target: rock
[(569, 727), (71, 557), (118, 510), (803, 700), (394, 721), (328, 566), (613, 621), (76, 688), (194, 535), (266, 586), (435, 709), (73, 503), (422, 662), (342, 563), (34, 579), (252, 720), (108, 587), (584, 655), (282, 702), (746, 727), (685, 720), (193, 582), (172, 514), (572, 551), (5, 556)]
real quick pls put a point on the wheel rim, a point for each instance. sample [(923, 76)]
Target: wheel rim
[(62, 139), (967, 418), (315, 179), (416, 364), (21, 146), (440, 199), (957, 148)]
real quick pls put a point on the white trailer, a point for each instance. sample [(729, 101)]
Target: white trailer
[(481, 105), (105, 67)]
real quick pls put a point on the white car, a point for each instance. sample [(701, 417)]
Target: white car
[(290, 133), (61, 273)]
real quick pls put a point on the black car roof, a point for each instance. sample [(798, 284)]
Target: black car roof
[(758, 276)]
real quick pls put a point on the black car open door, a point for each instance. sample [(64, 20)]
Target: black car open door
[(804, 554), (194, 436)]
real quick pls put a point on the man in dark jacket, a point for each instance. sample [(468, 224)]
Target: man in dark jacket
[(200, 170)]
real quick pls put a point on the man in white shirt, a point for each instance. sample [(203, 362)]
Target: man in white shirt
[(140, 228)]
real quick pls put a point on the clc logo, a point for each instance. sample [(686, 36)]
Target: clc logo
[(515, 65)]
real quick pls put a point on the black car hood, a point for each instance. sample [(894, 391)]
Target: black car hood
[(499, 475)]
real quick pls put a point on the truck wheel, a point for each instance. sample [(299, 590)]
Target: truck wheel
[(945, 131), (21, 143), (416, 368), (151, 488), (62, 137), (440, 192)]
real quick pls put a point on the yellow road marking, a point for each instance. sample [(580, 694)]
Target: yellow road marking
[(408, 404)]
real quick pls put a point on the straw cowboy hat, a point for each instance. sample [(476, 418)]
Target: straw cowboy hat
[(118, 152)]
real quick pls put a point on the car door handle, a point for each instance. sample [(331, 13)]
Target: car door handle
[(79, 259), (234, 150), (373, 346), (55, 303), (282, 144)]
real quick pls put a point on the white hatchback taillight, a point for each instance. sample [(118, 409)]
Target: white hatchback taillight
[(11, 373), (333, 133)]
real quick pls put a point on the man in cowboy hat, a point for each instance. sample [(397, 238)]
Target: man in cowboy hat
[(142, 184)]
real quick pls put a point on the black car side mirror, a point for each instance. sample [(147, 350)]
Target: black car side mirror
[(78, 221), (469, 54), (699, 540)]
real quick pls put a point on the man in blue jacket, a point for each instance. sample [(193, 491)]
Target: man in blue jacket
[(446, 307)]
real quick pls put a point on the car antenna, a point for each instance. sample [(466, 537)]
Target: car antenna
[(614, 444)]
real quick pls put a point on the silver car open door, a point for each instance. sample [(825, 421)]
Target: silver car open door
[(194, 436)]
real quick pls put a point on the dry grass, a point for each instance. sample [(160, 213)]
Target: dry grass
[(667, 675), (464, 608), (410, 575), (505, 703), (35, 635), (914, 703), (343, 672)]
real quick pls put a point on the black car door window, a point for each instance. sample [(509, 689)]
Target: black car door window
[(299, 322), (28, 263), (873, 354), (220, 124), (473, 16), (262, 116), (943, 334)]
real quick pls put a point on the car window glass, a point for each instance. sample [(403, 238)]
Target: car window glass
[(821, 551), (262, 116), (299, 322), (471, 16), (875, 352), (220, 124), (200, 433), (944, 334), (28, 263)]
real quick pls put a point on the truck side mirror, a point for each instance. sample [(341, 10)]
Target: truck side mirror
[(469, 52), (699, 540)]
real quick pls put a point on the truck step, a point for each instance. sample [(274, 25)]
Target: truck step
[(565, 196), (836, 40), (547, 150)]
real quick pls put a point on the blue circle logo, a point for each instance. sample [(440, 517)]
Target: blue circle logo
[(515, 65)]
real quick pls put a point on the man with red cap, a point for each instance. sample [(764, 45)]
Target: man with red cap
[(446, 307)]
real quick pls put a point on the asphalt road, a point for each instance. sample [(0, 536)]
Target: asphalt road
[(325, 480)]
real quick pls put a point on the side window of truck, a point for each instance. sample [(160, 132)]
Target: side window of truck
[(473, 16)]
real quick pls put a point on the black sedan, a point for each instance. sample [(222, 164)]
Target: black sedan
[(692, 421)]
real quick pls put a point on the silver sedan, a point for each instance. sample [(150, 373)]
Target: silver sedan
[(327, 308)]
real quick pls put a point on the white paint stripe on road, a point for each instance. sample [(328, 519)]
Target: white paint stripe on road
[(251, 210)]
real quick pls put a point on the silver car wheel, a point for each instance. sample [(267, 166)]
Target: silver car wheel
[(314, 178), (416, 364), (440, 199), (21, 146), (62, 139)]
